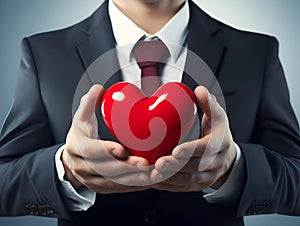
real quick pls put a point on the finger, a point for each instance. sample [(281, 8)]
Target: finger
[(108, 168), (208, 103), (179, 179), (195, 148), (184, 181), (170, 164), (89, 103), (126, 189), (207, 162), (106, 186), (94, 148), (167, 187), (133, 179), (116, 168)]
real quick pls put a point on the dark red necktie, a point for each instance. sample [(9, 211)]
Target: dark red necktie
[(150, 56)]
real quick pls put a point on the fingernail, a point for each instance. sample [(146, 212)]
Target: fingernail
[(204, 90), (116, 152), (179, 153)]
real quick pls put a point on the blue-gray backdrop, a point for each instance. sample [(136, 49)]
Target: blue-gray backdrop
[(22, 18)]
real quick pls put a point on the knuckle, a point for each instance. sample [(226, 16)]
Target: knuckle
[(226, 152), (77, 170), (225, 145), (108, 184)]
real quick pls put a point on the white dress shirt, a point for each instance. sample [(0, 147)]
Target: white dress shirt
[(173, 34)]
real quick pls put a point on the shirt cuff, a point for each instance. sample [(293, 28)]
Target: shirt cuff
[(230, 191), (76, 200)]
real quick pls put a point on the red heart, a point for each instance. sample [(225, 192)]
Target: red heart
[(149, 127)]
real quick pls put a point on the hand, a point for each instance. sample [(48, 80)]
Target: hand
[(212, 156), (89, 161)]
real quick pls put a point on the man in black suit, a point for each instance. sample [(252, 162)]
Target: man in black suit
[(255, 171)]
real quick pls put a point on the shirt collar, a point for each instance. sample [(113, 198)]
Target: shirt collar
[(127, 33)]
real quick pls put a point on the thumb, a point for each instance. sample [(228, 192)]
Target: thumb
[(208, 103), (89, 103)]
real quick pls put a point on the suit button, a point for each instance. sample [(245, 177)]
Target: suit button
[(151, 217), (49, 209), (45, 210), (258, 209), (32, 209)]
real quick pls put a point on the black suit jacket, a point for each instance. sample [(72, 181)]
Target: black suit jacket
[(261, 119)]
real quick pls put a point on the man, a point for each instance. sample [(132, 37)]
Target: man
[(255, 170)]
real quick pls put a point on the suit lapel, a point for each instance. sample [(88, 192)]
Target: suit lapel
[(201, 42), (100, 40)]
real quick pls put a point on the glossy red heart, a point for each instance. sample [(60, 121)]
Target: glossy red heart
[(149, 127)]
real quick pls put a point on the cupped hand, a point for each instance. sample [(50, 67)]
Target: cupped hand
[(102, 166), (207, 161)]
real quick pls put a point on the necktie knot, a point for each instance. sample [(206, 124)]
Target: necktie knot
[(150, 53)]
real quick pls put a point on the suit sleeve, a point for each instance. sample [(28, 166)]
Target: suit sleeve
[(28, 181), (273, 163)]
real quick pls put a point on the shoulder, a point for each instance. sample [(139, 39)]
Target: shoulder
[(232, 37), (69, 36), (243, 39)]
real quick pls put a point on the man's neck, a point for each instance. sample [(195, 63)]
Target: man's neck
[(150, 15)]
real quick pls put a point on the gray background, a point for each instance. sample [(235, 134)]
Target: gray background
[(22, 18)]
